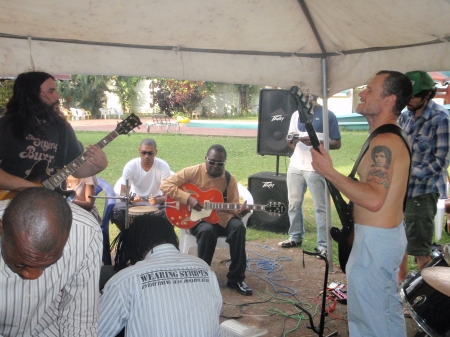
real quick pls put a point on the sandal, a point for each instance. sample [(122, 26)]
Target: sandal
[(406, 313)]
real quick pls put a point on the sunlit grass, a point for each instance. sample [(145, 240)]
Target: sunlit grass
[(243, 161)]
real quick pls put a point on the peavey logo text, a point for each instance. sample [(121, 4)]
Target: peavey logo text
[(268, 184), (277, 118)]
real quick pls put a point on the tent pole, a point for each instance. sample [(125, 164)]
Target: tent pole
[(326, 144)]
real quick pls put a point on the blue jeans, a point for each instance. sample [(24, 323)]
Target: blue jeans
[(297, 182)]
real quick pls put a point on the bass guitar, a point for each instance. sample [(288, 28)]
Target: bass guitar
[(183, 216), (38, 173), (343, 236)]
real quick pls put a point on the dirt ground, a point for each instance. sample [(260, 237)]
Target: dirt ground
[(278, 279)]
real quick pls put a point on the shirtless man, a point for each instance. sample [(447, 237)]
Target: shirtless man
[(374, 308)]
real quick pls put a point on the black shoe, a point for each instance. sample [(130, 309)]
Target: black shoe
[(241, 288)]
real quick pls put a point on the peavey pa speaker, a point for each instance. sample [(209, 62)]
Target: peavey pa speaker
[(267, 187), (276, 107)]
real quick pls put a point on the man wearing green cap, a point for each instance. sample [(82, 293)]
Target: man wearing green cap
[(427, 125)]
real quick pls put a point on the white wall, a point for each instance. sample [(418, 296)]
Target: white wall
[(226, 98), (341, 104), (141, 104)]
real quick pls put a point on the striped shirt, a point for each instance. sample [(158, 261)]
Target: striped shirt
[(168, 294), (429, 136), (63, 301)]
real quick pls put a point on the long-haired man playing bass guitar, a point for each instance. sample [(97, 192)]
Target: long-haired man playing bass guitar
[(212, 175), (374, 307), (33, 129)]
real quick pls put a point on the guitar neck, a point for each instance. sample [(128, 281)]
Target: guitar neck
[(62, 175), (339, 202), (226, 207)]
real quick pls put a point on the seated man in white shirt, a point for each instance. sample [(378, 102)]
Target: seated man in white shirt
[(144, 175), (159, 291)]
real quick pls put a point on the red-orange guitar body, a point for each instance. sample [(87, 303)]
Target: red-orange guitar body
[(180, 215)]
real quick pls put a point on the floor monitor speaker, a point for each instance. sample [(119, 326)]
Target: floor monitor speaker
[(276, 107), (267, 187)]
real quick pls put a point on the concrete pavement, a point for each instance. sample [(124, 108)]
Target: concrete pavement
[(108, 125)]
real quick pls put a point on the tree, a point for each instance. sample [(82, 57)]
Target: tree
[(85, 91), (245, 92), (175, 95), (6, 91), (124, 89)]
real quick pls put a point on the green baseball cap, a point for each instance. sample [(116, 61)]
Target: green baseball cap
[(421, 80)]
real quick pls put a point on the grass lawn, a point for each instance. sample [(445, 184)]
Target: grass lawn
[(180, 151)]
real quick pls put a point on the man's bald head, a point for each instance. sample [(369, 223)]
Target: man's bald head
[(43, 215)]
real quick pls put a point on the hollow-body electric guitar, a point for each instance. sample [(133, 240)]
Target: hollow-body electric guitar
[(38, 173), (183, 216), (343, 236)]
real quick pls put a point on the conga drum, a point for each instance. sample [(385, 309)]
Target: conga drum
[(136, 211)]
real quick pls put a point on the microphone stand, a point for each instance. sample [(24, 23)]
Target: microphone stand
[(323, 311)]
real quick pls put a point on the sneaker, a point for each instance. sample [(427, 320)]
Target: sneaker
[(289, 244), (321, 251)]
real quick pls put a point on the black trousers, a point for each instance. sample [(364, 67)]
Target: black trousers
[(207, 234)]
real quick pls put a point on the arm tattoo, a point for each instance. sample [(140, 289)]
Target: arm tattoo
[(382, 157), (379, 176)]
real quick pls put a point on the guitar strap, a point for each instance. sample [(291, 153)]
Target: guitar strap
[(227, 176), (387, 128), (59, 160), (60, 154)]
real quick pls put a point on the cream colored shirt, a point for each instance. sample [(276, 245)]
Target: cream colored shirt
[(198, 176)]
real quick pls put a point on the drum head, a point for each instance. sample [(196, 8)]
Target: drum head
[(139, 210)]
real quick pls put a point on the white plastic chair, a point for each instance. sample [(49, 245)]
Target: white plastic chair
[(81, 114), (440, 214), (103, 113), (188, 240), (119, 113), (75, 114)]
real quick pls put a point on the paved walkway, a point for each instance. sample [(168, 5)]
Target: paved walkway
[(109, 125)]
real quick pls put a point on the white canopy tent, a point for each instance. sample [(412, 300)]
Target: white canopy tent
[(269, 42), (324, 45)]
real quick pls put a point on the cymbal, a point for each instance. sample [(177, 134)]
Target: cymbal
[(438, 278), (446, 252)]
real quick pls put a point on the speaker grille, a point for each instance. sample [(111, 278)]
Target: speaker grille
[(267, 187), (276, 107)]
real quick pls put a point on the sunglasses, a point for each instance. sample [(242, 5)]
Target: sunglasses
[(213, 162), (150, 153)]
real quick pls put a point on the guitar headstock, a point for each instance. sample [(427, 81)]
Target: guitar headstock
[(304, 105), (275, 208), (128, 124)]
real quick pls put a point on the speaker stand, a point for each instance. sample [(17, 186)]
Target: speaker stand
[(277, 166)]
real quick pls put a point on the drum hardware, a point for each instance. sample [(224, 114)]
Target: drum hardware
[(124, 198)]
